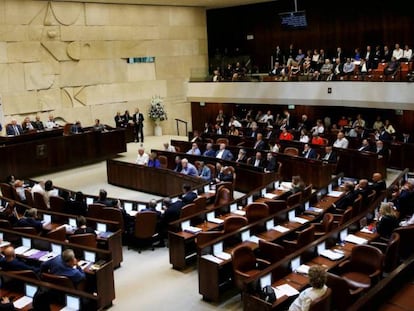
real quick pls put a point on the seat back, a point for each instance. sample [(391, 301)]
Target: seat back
[(57, 204), (271, 252), (406, 248), (163, 161), (27, 230), (204, 237), (233, 223), (212, 169), (391, 257), (85, 239), (6, 190), (327, 222), (294, 199), (16, 196), (113, 214), (357, 205), (306, 236), (222, 140), (275, 205), (322, 303), (95, 210), (4, 223), (39, 201), (29, 197), (26, 273), (291, 151), (347, 215), (244, 261), (370, 199), (341, 296), (59, 280), (201, 203), (145, 224), (223, 196), (233, 172), (366, 258), (189, 210), (307, 193), (256, 211), (58, 234)]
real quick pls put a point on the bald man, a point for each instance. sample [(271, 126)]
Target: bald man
[(378, 184), (10, 263)]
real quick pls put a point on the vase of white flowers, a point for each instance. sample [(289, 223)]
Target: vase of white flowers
[(157, 113)]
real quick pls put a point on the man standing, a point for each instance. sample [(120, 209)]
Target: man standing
[(138, 119)]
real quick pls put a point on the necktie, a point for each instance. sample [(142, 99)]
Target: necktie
[(16, 130)]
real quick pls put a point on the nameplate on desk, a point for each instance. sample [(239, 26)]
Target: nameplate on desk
[(185, 225), (239, 212)]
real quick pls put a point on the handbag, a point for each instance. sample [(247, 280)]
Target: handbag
[(268, 294)]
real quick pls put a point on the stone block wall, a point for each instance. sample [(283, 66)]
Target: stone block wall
[(70, 59)]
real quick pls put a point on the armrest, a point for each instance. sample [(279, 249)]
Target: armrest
[(261, 263), (356, 291), (246, 275), (375, 274), (381, 246), (290, 242), (344, 264)]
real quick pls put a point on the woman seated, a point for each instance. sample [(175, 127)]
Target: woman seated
[(387, 220)]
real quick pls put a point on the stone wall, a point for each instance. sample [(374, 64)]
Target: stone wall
[(70, 59)]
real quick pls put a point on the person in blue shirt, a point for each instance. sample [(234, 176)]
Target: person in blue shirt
[(188, 168), (65, 264), (194, 150), (10, 263), (204, 171), (153, 160)]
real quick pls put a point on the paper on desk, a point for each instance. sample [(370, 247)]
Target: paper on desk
[(300, 220), (239, 212), (285, 289), (212, 258), (48, 256), (192, 229), (355, 239), (216, 220), (303, 269), (366, 230), (331, 254), (132, 213), (22, 302), (280, 228), (223, 255), (4, 244), (31, 252), (269, 195), (314, 209), (21, 249), (335, 194)]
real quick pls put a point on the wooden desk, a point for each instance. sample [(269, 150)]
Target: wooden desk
[(163, 182), (46, 152)]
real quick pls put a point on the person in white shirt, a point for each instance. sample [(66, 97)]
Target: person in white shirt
[(318, 128), (317, 279), (168, 147), (397, 52), (234, 122), (50, 123), (304, 137), (142, 158), (407, 222), (407, 54), (268, 117), (341, 141)]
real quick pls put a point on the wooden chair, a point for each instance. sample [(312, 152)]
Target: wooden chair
[(6, 190), (39, 201), (363, 268), (205, 237), (233, 172), (95, 210), (233, 223), (256, 211), (113, 214), (322, 303), (29, 197), (270, 252), (201, 203), (59, 280), (291, 151), (58, 234), (357, 206), (212, 169), (223, 196), (57, 204), (324, 226), (294, 199), (275, 205), (189, 210), (85, 239), (340, 219), (27, 230), (245, 265), (303, 238), (406, 248), (145, 231), (342, 295), (163, 161), (26, 273), (390, 251), (307, 193), (222, 140)]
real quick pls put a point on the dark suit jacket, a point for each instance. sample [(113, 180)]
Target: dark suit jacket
[(331, 159), (378, 187), (16, 265), (386, 225), (271, 165), (172, 212), (10, 129), (346, 200), (188, 197), (365, 148), (29, 222), (209, 153), (384, 136), (242, 160), (312, 154), (260, 145), (227, 155)]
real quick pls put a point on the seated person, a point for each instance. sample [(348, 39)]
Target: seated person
[(317, 279), (346, 199), (241, 156), (224, 153), (392, 67), (82, 228), (10, 263), (102, 199), (77, 206), (330, 155), (65, 264), (152, 204), (178, 167), (98, 127), (27, 125), (6, 304), (188, 195), (19, 186), (142, 157), (168, 147), (50, 191), (225, 174), (153, 160), (209, 152), (387, 220), (194, 150), (204, 171), (378, 184), (271, 164), (363, 189), (188, 168), (27, 218), (76, 128), (257, 160)]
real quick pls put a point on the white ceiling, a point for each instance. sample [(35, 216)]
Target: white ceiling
[(209, 4)]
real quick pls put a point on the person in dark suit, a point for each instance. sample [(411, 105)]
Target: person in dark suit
[(260, 144), (330, 155), (76, 128), (14, 129), (365, 146), (308, 152), (382, 151), (77, 206), (378, 184), (28, 220), (209, 152), (384, 135), (152, 204), (363, 189), (406, 138), (270, 134), (257, 160), (10, 263), (102, 199), (126, 118), (138, 119), (223, 153), (242, 156), (82, 227), (119, 120), (253, 132), (38, 124), (224, 173), (188, 196), (271, 164), (347, 199), (172, 213)]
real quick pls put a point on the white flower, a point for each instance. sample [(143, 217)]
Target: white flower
[(157, 110)]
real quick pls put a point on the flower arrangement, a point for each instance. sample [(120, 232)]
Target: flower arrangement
[(157, 110)]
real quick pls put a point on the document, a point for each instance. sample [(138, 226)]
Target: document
[(303, 269), (335, 194), (269, 195), (21, 249), (192, 229), (313, 209), (223, 255), (280, 228), (22, 302), (48, 256), (300, 220), (332, 255), (355, 239), (212, 258), (239, 212), (285, 290), (216, 220)]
